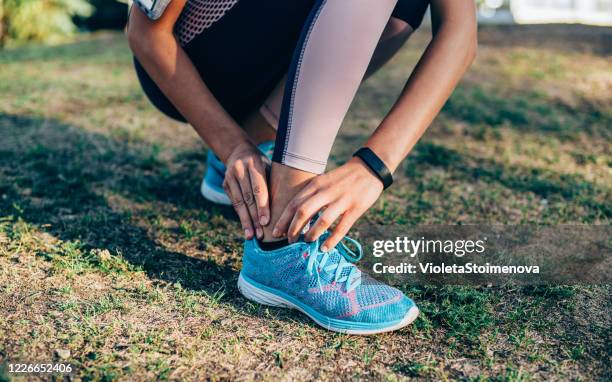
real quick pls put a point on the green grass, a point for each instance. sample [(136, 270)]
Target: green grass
[(108, 251)]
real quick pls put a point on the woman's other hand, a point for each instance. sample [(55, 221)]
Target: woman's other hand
[(345, 193), (245, 184)]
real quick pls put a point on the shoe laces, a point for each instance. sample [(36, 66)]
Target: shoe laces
[(318, 261)]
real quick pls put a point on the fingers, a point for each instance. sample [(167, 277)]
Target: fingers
[(232, 188), (282, 224), (324, 221), (249, 194), (303, 214), (260, 192), (340, 231), (249, 200)]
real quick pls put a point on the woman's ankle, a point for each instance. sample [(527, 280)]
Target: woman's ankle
[(285, 182), (258, 129)]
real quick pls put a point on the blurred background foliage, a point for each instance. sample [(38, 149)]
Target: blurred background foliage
[(52, 21)]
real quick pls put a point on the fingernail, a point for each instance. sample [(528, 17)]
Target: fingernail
[(248, 233), (275, 233), (264, 220), (324, 248), (259, 232)]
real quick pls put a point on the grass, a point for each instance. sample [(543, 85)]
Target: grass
[(110, 257)]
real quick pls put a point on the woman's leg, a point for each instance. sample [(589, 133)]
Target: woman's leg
[(396, 33), (334, 52), (262, 126), (394, 36), (259, 128)]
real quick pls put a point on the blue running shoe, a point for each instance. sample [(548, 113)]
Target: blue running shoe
[(212, 184), (327, 287)]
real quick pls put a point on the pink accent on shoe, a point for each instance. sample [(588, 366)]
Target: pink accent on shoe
[(355, 308), (326, 288)]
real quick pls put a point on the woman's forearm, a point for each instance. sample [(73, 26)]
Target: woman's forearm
[(172, 70), (444, 62)]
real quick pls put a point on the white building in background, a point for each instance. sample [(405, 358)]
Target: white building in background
[(595, 12)]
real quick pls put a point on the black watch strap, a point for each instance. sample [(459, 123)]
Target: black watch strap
[(376, 165)]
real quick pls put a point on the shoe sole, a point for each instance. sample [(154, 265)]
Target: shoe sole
[(213, 195), (268, 296)]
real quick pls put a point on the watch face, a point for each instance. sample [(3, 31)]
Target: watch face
[(148, 3)]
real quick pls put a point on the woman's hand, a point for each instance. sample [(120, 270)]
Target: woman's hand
[(346, 193), (245, 184)]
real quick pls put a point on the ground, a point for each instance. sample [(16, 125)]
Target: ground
[(111, 261)]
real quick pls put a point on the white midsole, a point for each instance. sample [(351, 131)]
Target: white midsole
[(261, 296), (213, 195)]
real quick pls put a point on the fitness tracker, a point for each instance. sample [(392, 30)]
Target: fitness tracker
[(376, 165)]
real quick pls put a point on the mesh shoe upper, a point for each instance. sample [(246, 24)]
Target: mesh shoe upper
[(287, 270)]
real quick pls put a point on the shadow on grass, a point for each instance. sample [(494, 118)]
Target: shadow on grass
[(527, 111), (61, 178), (53, 175), (544, 183), (483, 109)]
